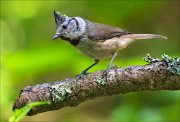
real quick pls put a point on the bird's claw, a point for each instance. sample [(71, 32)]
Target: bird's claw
[(106, 72), (79, 76), (113, 66)]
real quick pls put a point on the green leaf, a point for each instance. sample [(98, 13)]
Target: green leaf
[(22, 112)]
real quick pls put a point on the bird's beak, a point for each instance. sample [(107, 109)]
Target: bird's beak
[(57, 35)]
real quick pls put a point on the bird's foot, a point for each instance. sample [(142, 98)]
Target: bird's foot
[(79, 76), (102, 80), (106, 71)]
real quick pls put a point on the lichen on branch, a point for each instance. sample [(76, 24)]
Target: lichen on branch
[(173, 64)]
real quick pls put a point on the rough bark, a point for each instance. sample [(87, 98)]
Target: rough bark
[(71, 91)]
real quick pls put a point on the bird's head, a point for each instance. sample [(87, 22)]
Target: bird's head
[(68, 28)]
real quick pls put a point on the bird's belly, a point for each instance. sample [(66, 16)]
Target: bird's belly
[(96, 50)]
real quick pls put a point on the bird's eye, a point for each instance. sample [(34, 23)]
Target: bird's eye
[(64, 26)]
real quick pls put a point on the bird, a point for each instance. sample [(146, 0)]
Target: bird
[(95, 40)]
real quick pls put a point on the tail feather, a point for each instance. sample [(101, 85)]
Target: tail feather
[(144, 36), (128, 38)]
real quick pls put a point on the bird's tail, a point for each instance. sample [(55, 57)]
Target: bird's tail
[(128, 38), (144, 36)]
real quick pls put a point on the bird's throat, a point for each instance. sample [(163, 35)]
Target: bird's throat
[(73, 42)]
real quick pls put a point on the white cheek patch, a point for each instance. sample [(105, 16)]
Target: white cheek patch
[(82, 29), (82, 24)]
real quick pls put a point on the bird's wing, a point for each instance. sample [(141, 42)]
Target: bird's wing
[(101, 32)]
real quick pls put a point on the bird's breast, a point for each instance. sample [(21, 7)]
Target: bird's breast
[(98, 49)]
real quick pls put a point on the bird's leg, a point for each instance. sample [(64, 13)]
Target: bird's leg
[(96, 61), (102, 80), (106, 71)]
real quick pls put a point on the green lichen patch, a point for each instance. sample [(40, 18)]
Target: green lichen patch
[(59, 91), (100, 81), (173, 64), (149, 59)]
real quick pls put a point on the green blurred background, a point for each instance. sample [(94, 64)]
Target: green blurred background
[(29, 56)]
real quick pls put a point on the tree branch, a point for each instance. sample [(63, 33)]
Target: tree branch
[(159, 75)]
